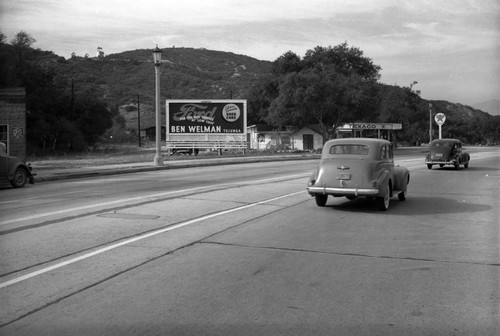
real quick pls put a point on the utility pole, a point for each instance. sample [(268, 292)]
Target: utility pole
[(72, 103), (158, 159), (139, 120), (430, 123)]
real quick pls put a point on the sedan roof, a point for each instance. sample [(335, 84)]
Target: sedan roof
[(357, 141)]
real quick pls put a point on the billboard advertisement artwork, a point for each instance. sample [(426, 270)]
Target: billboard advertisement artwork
[(206, 122)]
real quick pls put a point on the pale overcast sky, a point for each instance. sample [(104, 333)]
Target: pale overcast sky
[(451, 47)]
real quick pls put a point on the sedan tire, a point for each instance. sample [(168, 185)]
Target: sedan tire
[(321, 200), (19, 179), (383, 202), (402, 196)]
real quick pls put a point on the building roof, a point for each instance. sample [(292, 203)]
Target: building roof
[(262, 128)]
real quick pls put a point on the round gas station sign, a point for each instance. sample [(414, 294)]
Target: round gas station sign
[(440, 118)]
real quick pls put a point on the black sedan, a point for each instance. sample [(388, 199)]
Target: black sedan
[(444, 152)]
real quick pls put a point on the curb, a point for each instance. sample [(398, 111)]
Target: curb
[(123, 169)]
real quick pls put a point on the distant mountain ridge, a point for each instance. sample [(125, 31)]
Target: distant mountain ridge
[(491, 106)]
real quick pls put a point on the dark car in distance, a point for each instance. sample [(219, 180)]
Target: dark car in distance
[(444, 152), (13, 170)]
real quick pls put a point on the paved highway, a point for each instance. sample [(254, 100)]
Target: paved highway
[(243, 250)]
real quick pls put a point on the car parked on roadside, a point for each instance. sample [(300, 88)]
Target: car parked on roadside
[(354, 167), (13, 170), (184, 151), (444, 152)]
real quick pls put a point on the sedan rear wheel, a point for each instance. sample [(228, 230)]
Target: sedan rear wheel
[(20, 178), (402, 196), (321, 200), (383, 202)]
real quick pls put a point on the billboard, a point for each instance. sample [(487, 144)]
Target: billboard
[(206, 123)]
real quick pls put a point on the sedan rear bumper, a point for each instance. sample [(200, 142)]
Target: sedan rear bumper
[(342, 191), (452, 162)]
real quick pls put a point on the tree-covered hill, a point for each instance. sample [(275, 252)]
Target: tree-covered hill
[(124, 79), (186, 73), (73, 102)]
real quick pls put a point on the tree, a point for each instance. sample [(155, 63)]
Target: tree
[(23, 40), (346, 60), (286, 63), (260, 97), (92, 118), (50, 123), (401, 105), (328, 87)]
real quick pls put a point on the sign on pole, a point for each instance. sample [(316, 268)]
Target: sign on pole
[(377, 126), (440, 118)]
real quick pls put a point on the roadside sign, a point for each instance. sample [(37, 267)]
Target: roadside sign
[(376, 126), (440, 118), (206, 123)]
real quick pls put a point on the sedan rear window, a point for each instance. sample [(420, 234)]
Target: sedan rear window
[(349, 149), (441, 144)]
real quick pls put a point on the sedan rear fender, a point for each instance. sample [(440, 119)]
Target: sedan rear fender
[(21, 165), (382, 178), (401, 178)]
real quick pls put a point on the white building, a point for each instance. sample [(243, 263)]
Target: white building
[(265, 137)]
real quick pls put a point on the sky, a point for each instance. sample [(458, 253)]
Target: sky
[(450, 47)]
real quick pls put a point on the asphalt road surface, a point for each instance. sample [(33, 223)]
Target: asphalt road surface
[(243, 250)]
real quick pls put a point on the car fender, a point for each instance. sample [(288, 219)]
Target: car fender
[(19, 165), (401, 178), (314, 177), (322, 173), (383, 179)]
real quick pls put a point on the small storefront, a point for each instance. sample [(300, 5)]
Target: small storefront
[(13, 121), (265, 137)]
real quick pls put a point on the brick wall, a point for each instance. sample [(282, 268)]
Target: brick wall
[(13, 116)]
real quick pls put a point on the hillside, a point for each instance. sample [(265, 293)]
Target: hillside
[(491, 106), (186, 73), (125, 79)]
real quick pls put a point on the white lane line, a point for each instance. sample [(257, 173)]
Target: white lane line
[(86, 207), (141, 237)]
